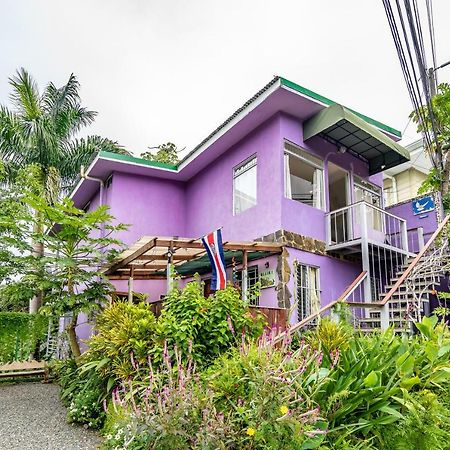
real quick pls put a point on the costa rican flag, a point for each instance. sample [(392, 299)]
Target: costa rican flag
[(213, 245)]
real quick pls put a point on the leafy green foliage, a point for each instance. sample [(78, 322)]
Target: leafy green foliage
[(123, 332), (330, 336), (78, 245), (20, 334), (83, 392), (438, 179), (41, 129), (166, 153), (206, 327), (267, 392)]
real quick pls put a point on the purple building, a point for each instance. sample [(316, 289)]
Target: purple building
[(289, 167)]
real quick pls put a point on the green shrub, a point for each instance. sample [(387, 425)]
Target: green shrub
[(268, 394), (330, 336), (171, 410), (425, 425), (206, 327), (20, 335), (83, 392), (124, 333)]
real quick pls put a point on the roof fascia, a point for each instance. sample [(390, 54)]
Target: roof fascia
[(257, 101), (82, 180), (328, 102)]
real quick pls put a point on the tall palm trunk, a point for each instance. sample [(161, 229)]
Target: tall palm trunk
[(38, 251)]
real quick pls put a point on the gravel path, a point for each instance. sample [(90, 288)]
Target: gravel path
[(33, 418)]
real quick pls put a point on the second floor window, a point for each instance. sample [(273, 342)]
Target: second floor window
[(303, 177), (244, 186)]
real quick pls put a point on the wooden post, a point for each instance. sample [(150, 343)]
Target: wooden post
[(244, 274), (130, 285), (169, 267)]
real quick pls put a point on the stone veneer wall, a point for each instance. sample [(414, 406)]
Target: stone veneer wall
[(293, 240)]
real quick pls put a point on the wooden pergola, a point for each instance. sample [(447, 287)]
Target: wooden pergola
[(153, 257)]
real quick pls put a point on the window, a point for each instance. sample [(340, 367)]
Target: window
[(308, 290), (252, 279), (371, 194), (303, 177), (244, 186)]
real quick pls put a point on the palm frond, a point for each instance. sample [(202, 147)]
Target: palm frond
[(25, 95), (80, 152), (12, 143)]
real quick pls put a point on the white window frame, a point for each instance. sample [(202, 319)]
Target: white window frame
[(307, 161), (303, 314), (252, 274), (252, 161)]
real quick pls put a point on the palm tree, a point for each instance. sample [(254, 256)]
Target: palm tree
[(41, 131)]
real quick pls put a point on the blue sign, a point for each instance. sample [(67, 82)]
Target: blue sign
[(423, 205)]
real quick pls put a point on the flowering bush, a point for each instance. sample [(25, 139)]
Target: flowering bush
[(173, 409), (267, 391)]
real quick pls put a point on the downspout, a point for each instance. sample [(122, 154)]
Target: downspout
[(394, 186), (102, 186)]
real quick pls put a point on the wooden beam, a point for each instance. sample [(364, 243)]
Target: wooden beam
[(137, 277), (163, 257), (145, 248)]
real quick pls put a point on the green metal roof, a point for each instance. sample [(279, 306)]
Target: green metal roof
[(343, 127), (136, 160), (327, 101)]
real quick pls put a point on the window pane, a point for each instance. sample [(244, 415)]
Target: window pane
[(304, 182), (308, 293), (245, 186), (252, 279)]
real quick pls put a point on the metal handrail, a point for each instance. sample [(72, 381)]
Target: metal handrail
[(414, 262), (368, 204), (348, 291)]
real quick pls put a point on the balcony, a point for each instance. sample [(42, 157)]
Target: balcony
[(360, 225)]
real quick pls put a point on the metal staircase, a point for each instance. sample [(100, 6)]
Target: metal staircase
[(411, 300), (405, 300)]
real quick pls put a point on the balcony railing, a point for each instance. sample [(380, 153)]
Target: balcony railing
[(364, 222)]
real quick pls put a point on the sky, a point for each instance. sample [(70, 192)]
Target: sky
[(173, 70)]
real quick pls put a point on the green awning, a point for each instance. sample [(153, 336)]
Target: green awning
[(340, 126)]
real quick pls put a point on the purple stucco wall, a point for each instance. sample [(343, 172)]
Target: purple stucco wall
[(151, 206), (335, 275), (209, 195), (427, 221)]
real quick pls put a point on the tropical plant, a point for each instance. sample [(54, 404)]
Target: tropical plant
[(83, 392), (79, 244), (206, 327), (166, 153), (438, 149), (125, 335), (41, 129), (39, 133), (268, 393)]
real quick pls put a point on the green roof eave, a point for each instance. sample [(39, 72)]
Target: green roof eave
[(341, 125), (135, 160), (302, 90)]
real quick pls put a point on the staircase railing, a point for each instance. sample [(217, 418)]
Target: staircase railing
[(356, 283), (413, 264)]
